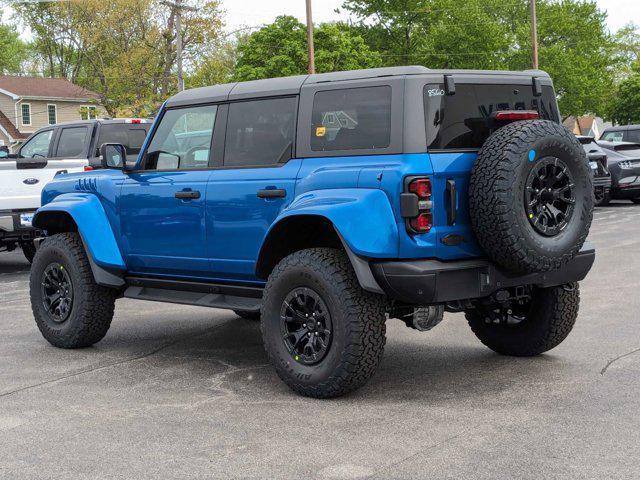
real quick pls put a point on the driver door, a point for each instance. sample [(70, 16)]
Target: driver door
[(162, 205)]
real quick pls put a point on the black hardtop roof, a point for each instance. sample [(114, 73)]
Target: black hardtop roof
[(291, 85)]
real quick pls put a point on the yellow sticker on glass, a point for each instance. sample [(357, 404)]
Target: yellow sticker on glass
[(321, 131)]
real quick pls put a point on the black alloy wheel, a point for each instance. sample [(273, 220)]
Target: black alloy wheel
[(57, 292), (549, 196), (305, 324)]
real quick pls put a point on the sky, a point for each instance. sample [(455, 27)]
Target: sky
[(241, 13)]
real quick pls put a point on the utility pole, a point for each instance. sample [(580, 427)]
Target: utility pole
[(312, 57), (534, 34), (179, 8)]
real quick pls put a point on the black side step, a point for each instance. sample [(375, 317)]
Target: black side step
[(233, 297)]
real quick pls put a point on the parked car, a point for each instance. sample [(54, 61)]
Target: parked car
[(446, 190), (50, 151), (597, 158), (624, 133), (624, 165)]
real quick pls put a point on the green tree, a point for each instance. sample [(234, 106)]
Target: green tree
[(575, 46), (122, 49), (280, 49), (578, 52), (625, 106), (13, 51)]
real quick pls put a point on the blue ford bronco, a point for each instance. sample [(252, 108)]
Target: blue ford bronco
[(324, 205)]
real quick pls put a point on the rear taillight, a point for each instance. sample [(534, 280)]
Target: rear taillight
[(422, 223), (88, 168), (514, 115), (416, 204)]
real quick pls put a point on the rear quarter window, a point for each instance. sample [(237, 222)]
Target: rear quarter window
[(461, 121), (351, 119)]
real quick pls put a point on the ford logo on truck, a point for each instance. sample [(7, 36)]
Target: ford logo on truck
[(30, 181)]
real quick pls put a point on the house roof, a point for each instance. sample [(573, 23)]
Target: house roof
[(10, 128), (43, 87)]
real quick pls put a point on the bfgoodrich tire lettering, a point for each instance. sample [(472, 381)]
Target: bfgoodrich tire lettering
[(498, 189), (92, 306), (357, 318)]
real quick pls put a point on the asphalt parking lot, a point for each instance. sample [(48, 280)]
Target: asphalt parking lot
[(186, 392)]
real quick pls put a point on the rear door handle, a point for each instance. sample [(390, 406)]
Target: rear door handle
[(272, 193), (188, 195)]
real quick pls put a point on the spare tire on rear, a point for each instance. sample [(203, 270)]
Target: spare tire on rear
[(531, 196)]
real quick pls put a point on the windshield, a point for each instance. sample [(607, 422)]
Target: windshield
[(462, 120)]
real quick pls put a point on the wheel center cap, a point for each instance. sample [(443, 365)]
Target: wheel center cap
[(547, 196)]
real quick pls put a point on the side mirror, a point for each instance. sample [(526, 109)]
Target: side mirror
[(113, 155)]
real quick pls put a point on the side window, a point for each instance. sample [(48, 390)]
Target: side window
[(613, 136), (131, 136), (633, 136), (183, 139), (38, 146), (351, 119), (72, 142), (260, 132)]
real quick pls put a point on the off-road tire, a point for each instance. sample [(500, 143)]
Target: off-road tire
[(551, 317), (497, 189), (93, 305), (29, 250), (358, 319), (248, 314)]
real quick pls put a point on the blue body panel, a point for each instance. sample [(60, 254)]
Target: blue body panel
[(237, 220), (161, 234), (93, 225), (363, 217), (133, 221)]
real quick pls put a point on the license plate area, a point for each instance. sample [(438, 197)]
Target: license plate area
[(26, 219)]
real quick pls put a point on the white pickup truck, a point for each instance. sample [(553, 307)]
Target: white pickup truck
[(21, 183), (55, 150)]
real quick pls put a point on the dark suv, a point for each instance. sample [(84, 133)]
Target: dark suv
[(622, 133), (322, 204)]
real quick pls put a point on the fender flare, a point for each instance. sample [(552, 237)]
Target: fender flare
[(94, 228), (363, 218)]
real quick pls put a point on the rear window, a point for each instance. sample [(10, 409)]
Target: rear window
[(461, 121), (130, 135), (613, 136), (351, 119)]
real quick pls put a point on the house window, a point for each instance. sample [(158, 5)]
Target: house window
[(26, 114), (88, 112), (53, 114)]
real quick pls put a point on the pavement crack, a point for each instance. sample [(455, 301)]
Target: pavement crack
[(109, 365), (610, 362), (419, 452)]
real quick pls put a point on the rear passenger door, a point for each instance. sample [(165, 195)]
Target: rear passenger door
[(72, 142), (252, 185)]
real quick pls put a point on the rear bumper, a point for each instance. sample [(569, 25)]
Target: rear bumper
[(13, 229), (425, 282)]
